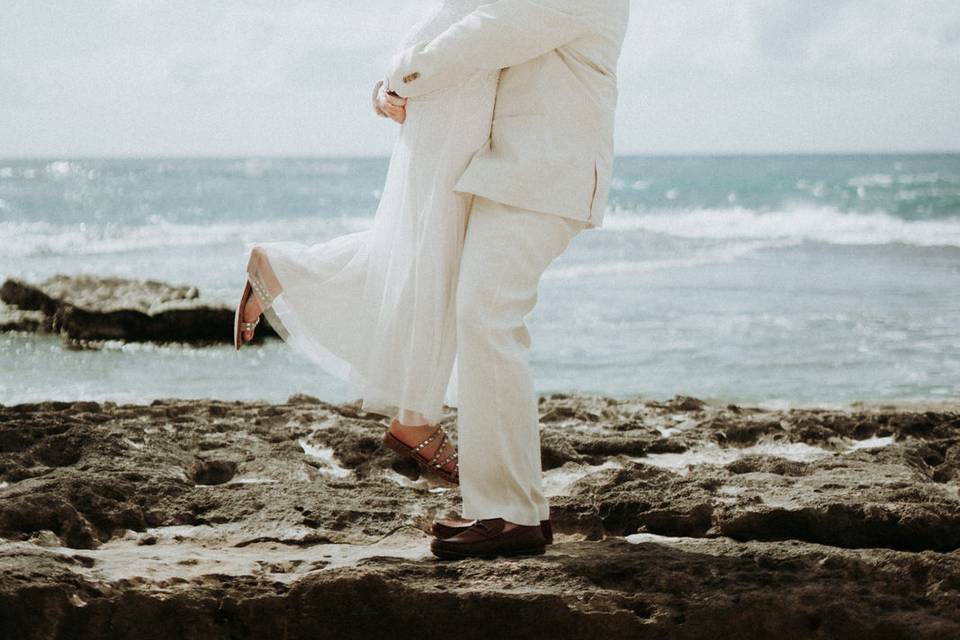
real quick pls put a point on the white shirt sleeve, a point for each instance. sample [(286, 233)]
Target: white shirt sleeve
[(496, 35)]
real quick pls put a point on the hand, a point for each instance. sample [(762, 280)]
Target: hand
[(376, 101), (389, 104)]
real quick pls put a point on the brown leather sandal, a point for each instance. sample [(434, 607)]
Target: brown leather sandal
[(430, 465), (239, 326)]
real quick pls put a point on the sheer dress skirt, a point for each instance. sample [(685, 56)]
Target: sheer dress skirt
[(376, 308)]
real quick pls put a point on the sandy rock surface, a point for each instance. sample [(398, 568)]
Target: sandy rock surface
[(215, 519)]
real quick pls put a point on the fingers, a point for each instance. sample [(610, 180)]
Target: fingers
[(397, 114), (393, 106), (376, 100), (385, 99), (394, 99)]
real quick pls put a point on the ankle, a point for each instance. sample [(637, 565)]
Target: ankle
[(408, 418), (412, 428)]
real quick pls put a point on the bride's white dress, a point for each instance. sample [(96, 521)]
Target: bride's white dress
[(377, 307)]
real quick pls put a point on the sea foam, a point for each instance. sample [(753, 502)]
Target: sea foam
[(724, 253), (821, 224), (23, 239), (743, 230)]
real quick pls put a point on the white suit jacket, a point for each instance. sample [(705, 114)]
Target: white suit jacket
[(551, 142)]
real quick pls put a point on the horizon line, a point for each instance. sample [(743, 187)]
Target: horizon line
[(309, 156)]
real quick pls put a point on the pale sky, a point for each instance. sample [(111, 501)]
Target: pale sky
[(288, 77)]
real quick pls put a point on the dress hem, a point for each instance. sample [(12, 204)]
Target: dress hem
[(334, 364)]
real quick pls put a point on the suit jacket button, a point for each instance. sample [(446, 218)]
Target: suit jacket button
[(410, 78)]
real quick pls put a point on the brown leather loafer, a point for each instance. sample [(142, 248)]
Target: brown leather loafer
[(487, 539), (450, 527)]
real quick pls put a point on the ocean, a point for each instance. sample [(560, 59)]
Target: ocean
[(774, 280)]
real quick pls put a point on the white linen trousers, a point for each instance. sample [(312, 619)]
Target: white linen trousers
[(505, 252)]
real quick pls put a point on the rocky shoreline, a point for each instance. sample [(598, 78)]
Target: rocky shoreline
[(678, 519), (86, 310)]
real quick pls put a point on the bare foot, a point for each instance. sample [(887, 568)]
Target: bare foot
[(412, 435), (251, 311)]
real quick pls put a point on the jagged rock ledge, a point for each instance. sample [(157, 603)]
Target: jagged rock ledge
[(678, 519), (85, 309)]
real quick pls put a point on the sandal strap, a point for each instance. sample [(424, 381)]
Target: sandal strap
[(438, 432), (258, 284), (439, 448), (452, 456), (428, 439), (249, 326)]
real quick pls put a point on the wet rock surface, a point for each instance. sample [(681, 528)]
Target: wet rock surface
[(87, 309), (678, 519)]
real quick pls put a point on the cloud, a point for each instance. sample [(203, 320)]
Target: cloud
[(247, 77), (781, 75), (13, 88)]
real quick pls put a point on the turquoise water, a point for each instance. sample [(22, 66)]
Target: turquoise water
[(772, 279)]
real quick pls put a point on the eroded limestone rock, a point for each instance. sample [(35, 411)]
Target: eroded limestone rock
[(207, 518)]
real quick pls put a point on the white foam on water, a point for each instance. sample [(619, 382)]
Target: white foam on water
[(637, 538), (796, 451), (821, 224), (24, 239), (713, 453), (557, 482), (63, 168), (872, 180), (751, 229), (712, 255), (872, 442), (185, 552), (325, 455), (4, 485), (258, 167), (423, 482), (681, 421), (176, 532), (886, 180), (404, 481), (923, 178)]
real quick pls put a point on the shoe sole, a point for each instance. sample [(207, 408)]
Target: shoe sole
[(392, 442), (445, 554), (449, 532), (238, 340)]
